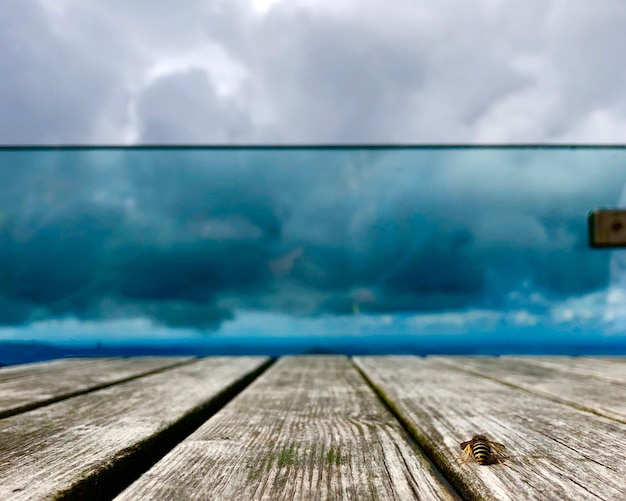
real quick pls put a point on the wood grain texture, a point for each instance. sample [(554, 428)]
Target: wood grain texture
[(28, 392), (556, 452), (15, 371), (89, 445), (310, 428), (618, 359), (564, 380)]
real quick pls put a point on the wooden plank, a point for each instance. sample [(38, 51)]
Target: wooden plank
[(582, 389), (309, 428), (92, 445), (618, 359), (590, 366), (28, 392), (15, 371), (556, 451)]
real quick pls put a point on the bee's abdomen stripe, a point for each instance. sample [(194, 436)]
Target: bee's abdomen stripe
[(481, 451)]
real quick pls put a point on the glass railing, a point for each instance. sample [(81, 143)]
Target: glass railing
[(309, 250)]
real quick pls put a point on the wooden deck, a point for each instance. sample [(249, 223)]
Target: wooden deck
[(314, 427)]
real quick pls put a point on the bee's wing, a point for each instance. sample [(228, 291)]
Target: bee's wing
[(498, 449), (497, 445), (465, 444)]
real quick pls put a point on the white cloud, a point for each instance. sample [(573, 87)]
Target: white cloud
[(225, 73), (72, 330), (463, 320), (599, 126), (264, 6), (526, 318)]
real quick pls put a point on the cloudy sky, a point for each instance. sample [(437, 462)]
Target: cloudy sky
[(312, 71), (105, 242)]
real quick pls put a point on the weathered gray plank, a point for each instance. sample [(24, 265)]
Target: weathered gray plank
[(618, 359), (28, 392), (589, 366), (309, 428), (15, 371), (557, 452), (91, 444), (604, 396)]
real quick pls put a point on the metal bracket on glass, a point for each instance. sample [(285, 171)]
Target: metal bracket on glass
[(607, 228)]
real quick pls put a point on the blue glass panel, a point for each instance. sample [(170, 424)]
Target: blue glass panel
[(276, 250)]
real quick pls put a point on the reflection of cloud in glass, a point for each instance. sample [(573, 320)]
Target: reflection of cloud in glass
[(194, 238), (283, 265)]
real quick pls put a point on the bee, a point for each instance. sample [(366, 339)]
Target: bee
[(484, 451)]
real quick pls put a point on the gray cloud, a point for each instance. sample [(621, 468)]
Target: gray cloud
[(312, 72), (185, 108), (50, 92)]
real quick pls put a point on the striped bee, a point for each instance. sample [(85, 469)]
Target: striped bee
[(484, 451)]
